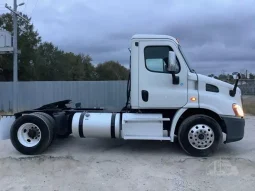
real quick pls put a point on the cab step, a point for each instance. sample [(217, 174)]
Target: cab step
[(146, 138), (146, 119)]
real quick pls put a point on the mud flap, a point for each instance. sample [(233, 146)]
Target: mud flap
[(6, 122)]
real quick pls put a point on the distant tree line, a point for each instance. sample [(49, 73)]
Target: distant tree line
[(43, 61), (230, 77)]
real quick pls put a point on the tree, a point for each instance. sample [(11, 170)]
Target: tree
[(43, 61), (75, 67), (230, 77), (82, 68), (111, 70), (54, 64), (79, 67), (50, 63), (89, 69), (243, 76), (222, 77), (28, 41), (251, 76)]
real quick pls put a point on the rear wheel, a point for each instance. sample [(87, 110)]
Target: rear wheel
[(31, 134), (50, 121), (200, 135)]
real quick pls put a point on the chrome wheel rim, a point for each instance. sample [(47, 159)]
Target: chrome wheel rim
[(29, 134), (201, 136)]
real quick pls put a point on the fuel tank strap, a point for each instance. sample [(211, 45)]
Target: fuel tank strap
[(81, 125), (113, 125)]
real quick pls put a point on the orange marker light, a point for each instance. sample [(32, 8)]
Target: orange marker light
[(238, 110), (193, 99)]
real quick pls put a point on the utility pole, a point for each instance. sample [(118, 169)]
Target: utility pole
[(15, 51), (15, 57)]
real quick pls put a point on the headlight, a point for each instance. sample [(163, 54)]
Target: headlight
[(238, 110)]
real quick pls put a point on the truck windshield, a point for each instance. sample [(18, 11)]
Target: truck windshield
[(180, 49)]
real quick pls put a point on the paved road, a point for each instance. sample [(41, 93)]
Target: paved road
[(95, 164)]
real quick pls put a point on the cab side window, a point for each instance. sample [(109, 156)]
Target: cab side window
[(161, 59)]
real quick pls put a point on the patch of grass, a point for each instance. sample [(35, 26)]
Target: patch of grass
[(5, 113), (249, 108), (249, 105)]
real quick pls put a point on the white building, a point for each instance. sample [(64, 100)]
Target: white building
[(5, 42)]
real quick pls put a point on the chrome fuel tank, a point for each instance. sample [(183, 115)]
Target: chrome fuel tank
[(102, 125)]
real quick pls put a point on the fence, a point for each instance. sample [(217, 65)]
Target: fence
[(88, 93), (247, 86)]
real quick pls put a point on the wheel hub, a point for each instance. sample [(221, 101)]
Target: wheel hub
[(29, 134), (32, 133), (201, 136)]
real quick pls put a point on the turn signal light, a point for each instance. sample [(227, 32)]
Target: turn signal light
[(238, 110), (193, 99)]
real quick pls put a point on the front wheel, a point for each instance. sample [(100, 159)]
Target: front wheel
[(200, 135)]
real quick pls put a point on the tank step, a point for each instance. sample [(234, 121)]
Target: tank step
[(146, 138)]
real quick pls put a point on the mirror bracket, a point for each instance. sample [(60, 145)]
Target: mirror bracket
[(232, 93), (175, 79)]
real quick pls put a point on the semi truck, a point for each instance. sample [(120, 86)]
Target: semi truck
[(167, 100)]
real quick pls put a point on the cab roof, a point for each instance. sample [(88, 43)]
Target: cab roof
[(153, 36)]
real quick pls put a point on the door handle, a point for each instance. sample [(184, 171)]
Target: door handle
[(145, 95)]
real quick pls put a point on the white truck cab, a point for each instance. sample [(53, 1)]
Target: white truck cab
[(166, 99), (152, 85)]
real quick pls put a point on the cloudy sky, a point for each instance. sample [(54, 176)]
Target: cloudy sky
[(217, 36)]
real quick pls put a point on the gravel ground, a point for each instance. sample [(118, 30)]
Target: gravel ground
[(96, 164)]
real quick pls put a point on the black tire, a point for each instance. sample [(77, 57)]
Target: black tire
[(192, 121), (64, 136), (50, 120), (46, 134), (48, 117)]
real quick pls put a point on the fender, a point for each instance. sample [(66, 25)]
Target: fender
[(212, 108), (6, 122), (176, 117)]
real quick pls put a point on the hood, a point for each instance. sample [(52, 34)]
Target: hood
[(223, 87), (215, 82), (220, 84), (217, 97)]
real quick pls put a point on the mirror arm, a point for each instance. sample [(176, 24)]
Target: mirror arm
[(232, 93)]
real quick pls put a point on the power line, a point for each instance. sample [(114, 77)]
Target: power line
[(25, 6), (34, 7)]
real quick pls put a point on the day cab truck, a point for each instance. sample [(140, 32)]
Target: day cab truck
[(166, 101)]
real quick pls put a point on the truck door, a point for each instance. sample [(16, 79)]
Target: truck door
[(157, 89)]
